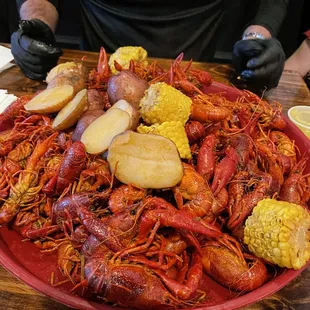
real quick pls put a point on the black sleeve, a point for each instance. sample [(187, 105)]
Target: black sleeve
[(54, 2), (271, 14)]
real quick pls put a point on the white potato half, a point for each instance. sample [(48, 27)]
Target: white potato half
[(50, 100), (99, 134), (132, 111), (145, 160), (70, 113)]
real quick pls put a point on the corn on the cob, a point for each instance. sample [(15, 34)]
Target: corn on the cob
[(278, 231), (163, 103), (124, 54), (174, 131)]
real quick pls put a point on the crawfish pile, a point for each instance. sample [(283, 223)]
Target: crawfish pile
[(151, 248)]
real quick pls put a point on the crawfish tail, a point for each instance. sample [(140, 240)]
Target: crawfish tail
[(208, 113), (39, 151)]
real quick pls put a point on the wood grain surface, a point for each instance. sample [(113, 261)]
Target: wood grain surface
[(291, 91)]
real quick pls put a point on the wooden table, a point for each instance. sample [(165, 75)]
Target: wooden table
[(291, 91)]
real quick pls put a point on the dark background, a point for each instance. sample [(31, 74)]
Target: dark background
[(69, 29)]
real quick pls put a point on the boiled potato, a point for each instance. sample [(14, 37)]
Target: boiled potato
[(58, 69), (145, 160), (99, 134), (50, 100), (86, 119), (74, 76), (126, 85), (70, 114), (134, 114)]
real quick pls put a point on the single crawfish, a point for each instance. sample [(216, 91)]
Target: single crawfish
[(125, 284), (11, 112), (70, 168), (270, 162), (26, 189), (224, 261), (224, 170), (200, 200), (296, 188), (206, 157), (244, 147), (21, 152), (8, 140), (33, 226), (244, 196), (270, 114), (96, 175), (286, 147), (188, 81), (69, 261)]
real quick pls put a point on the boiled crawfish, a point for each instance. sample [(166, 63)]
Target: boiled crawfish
[(69, 170), (224, 261), (26, 189)]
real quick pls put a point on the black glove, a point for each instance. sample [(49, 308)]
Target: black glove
[(259, 62), (34, 49)]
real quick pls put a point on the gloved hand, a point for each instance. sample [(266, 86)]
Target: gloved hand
[(34, 48), (259, 62)]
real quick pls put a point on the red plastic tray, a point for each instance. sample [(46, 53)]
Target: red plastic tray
[(24, 260)]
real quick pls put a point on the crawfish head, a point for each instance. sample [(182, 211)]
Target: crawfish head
[(115, 231), (124, 196), (243, 145), (194, 131), (68, 259), (296, 187), (68, 205)]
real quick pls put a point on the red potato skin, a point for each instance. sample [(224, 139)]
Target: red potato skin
[(126, 85), (135, 119), (95, 100), (86, 119)]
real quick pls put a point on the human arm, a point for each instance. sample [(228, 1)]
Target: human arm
[(39, 9), (300, 60), (269, 18), (259, 58), (33, 45)]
